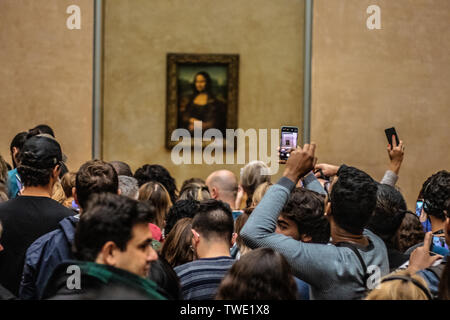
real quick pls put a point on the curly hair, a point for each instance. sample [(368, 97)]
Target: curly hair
[(353, 198), (388, 214), (157, 173), (261, 274), (108, 217), (306, 209), (95, 176), (181, 209), (410, 232), (435, 191)]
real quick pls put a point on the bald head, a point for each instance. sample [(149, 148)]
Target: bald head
[(223, 185)]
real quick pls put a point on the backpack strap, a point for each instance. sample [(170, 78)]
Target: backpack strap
[(355, 250)]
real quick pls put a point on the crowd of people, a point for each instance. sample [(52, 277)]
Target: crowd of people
[(321, 232)]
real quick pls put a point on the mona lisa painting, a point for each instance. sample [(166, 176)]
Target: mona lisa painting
[(201, 87)]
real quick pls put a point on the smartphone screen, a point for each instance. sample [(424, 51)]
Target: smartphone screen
[(289, 137), (391, 132)]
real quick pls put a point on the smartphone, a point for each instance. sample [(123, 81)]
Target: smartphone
[(391, 132), (438, 242), (289, 137)]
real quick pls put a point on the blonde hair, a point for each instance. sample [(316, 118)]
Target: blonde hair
[(254, 174), (58, 193), (158, 196), (260, 192), (400, 289)]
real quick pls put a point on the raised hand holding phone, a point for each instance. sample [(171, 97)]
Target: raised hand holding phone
[(395, 149), (301, 161)]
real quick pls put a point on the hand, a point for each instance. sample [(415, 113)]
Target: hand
[(301, 161), (395, 155), (328, 170), (420, 258)]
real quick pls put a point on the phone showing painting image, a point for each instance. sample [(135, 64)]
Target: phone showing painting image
[(289, 138)]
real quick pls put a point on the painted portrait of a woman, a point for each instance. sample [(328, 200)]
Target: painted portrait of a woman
[(202, 105)]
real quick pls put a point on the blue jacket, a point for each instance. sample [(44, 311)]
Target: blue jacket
[(44, 255)]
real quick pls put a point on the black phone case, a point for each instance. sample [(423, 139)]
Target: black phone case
[(389, 132)]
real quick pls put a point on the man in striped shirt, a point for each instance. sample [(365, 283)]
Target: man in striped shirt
[(212, 230)]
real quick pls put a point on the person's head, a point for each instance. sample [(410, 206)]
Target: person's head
[(238, 225), (166, 278), (1, 232), (435, 191), (39, 162), (260, 192), (180, 209), (160, 199), (202, 82), (176, 247), (352, 200), (16, 145), (43, 128), (401, 285), (68, 183), (192, 180), (128, 186), (114, 231), (410, 232), (213, 223), (194, 191), (262, 274), (444, 284), (252, 175), (388, 214), (58, 193), (94, 176), (3, 170), (302, 217), (222, 185), (122, 168), (159, 174)]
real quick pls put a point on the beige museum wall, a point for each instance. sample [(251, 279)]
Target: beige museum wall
[(46, 73), (138, 34), (365, 81)]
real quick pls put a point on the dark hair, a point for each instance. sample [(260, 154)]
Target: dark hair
[(194, 191), (208, 86), (436, 190), (108, 217), (165, 277), (176, 247), (43, 128), (353, 198), (214, 220), (121, 168), (95, 176), (18, 141), (388, 214), (31, 176), (444, 283), (261, 274), (181, 209), (159, 174), (410, 232), (192, 180), (306, 209)]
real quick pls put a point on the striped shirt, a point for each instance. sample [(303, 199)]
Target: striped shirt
[(201, 278)]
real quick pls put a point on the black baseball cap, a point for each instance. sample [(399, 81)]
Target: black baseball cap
[(41, 152)]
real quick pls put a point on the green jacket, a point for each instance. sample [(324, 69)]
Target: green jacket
[(98, 282)]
